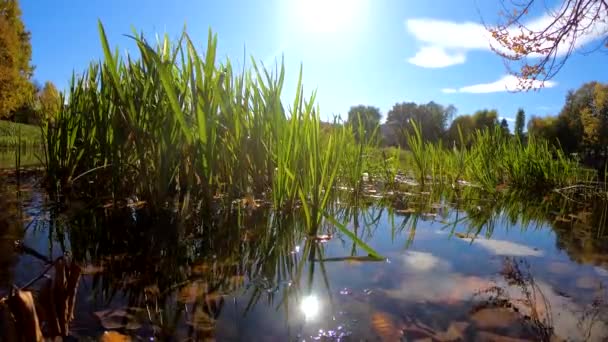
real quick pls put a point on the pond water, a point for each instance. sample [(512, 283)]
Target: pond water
[(30, 157), (451, 270)]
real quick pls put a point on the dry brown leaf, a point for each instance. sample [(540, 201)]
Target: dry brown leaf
[(385, 326), (322, 238), (494, 318), (420, 331), (492, 337), (23, 310), (92, 269), (113, 336)]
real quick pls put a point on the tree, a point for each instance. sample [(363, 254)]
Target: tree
[(469, 124), (504, 125), (520, 121), (572, 24), (15, 56), (485, 118), (50, 101), (432, 118), (582, 124), (466, 124), (366, 117)]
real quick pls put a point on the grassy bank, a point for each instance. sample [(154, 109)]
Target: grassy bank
[(12, 133)]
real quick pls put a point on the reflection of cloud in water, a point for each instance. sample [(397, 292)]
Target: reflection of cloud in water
[(503, 247), (422, 262), (441, 287), (431, 279), (601, 271)]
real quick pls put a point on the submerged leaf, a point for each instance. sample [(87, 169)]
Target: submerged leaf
[(112, 319), (385, 326), (113, 336), (23, 310)]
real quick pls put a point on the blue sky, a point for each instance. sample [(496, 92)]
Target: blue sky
[(372, 52)]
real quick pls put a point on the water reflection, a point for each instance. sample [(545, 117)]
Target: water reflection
[(241, 273), (310, 307)]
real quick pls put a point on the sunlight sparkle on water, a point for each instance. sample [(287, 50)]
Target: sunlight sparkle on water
[(310, 307)]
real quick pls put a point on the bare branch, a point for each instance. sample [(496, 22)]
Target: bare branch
[(540, 53)]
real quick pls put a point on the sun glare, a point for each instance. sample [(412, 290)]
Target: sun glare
[(310, 307), (329, 16)]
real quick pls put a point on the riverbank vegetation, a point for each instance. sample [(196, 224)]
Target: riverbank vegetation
[(178, 129)]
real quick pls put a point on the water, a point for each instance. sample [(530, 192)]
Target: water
[(30, 157), (468, 269)]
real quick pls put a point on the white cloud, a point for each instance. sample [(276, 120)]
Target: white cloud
[(504, 247), (506, 118), (422, 262), (448, 34), (505, 83), (449, 41), (436, 57)]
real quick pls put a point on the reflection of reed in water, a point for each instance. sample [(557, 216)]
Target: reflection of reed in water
[(531, 302)]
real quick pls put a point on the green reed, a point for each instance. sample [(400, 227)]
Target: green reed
[(178, 129), (495, 160)]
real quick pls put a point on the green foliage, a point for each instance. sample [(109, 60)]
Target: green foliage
[(492, 160), (15, 56), (179, 130), (431, 117), (504, 125), (49, 101), (468, 125), (364, 121), (520, 121), (582, 124)]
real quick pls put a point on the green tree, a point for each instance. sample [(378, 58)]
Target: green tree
[(367, 117), (50, 102), (15, 56), (545, 128), (432, 118), (467, 127), (520, 121), (485, 118), (504, 125)]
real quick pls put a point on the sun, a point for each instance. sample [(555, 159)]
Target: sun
[(328, 16)]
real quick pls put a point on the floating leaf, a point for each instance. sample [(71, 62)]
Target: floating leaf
[(322, 238)]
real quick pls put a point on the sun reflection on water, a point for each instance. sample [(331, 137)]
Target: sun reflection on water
[(310, 307)]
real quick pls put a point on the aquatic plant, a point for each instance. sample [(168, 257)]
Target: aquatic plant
[(494, 160), (176, 127)]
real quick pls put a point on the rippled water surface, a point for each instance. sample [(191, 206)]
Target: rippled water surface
[(451, 270)]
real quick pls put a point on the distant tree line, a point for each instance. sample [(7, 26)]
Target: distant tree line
[(21, 99), (582, 124), (436, 122), (581, 127)]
